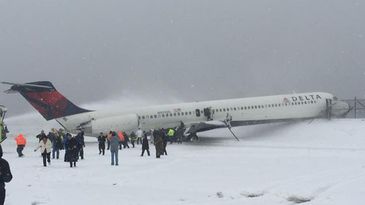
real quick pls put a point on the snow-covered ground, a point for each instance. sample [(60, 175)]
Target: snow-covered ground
[(321, 162)]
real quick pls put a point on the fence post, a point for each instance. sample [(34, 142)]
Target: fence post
[(355, 108)]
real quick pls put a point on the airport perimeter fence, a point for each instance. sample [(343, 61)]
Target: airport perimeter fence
[(357, 108)]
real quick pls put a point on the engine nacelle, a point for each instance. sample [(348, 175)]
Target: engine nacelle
[(126, 123)]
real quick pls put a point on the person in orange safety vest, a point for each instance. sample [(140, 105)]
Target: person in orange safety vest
[(20, 142)]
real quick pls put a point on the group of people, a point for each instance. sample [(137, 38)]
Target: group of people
[(117, 140), (57, 140)]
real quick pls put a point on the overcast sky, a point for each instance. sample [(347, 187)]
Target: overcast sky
[(182, 50)]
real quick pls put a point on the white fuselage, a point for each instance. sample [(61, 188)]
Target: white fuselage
[(268, 108)]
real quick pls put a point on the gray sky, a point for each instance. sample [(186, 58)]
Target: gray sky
[(182, 50)]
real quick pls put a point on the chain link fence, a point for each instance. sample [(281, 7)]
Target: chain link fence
[(357, 108)]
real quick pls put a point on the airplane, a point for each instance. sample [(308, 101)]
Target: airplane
[(194, 117)]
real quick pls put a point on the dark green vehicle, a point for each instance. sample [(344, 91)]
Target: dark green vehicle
[(3, 128)]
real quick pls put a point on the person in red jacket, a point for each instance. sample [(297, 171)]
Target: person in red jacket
[(121, 139), (20, 142)]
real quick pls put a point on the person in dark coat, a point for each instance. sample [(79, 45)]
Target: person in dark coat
[(101, 140), (145, 145), (5, 176), (133, 137), (108, 143), (57, 146), (56, 140), (157, 135), (66, 140), (72, 151), (81, 143), (126, 140)]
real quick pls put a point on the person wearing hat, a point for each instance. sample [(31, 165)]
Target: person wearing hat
[(41, 135), (5, 176), (101, 140)]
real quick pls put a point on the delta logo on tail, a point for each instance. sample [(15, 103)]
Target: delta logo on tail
[(44, 97)]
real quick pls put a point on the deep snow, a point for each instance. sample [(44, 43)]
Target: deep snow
[(319, 162)]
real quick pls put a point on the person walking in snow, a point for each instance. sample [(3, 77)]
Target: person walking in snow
[(121, 139), (139, 134), (126, 140), (101, 141), (133, 138), (164, 139), (145, 145), (81, 143), (20, 142), (57, 145), (66, 140), (41, 135), (157, 135), (72, 151), (45, 146), (114, 144)]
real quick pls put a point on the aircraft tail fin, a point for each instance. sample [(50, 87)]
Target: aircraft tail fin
[(44, 97)]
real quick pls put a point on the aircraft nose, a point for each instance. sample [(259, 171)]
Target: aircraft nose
[(340, 108)]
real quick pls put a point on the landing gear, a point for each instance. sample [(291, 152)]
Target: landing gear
[(227, 122), (190, 134), (193, 137), (329, 108)]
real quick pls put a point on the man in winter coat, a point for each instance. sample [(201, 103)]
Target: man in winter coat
[(145, 145), (157, 135), (81, 143), (72, 151), (45, 146), (56, 143), (133, 138), (66, 139), (114, 144), (101, 141), (126, 140), (20, 142), (5, 176)]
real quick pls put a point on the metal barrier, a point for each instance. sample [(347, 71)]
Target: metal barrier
[(357, 108)]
